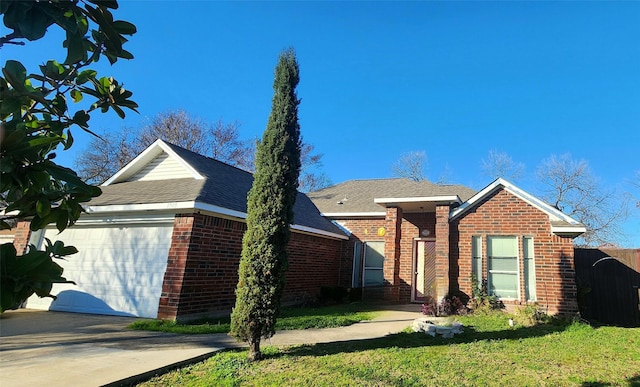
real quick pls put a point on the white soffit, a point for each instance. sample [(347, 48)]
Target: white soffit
[(146, 157), (554, 214)]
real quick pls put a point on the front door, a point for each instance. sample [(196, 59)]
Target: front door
[(424, 264)]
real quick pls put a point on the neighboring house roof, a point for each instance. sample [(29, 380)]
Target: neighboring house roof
[(168, 177), (370, 197), (561, 223)]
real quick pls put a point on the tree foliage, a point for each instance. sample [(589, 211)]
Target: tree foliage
[(264, 258), (107, 154), (38, 111), (570, 186), (411, 165)]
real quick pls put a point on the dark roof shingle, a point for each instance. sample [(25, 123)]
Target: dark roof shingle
[(357, 196)]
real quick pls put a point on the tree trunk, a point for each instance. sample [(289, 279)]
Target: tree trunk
[(254, 349)]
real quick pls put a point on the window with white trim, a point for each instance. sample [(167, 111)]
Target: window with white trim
[(373, 273), (502, 266), (529, 268)]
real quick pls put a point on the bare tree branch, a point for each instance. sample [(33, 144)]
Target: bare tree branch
[(107, 155), (570, 186), (500, 164), (411, 165)]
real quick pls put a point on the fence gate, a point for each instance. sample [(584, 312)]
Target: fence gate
[(608, 283)]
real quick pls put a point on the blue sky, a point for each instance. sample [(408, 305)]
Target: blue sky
[(454, 79)]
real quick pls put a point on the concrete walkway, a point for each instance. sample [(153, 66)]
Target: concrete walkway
[(62, 349)]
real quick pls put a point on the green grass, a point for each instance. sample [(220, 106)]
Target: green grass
[(290, 319), (488, 353)]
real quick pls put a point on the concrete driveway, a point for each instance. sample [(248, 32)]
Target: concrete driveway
[(63, 349), (72, 349)]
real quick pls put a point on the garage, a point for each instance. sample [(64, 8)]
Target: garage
[(119, 269)]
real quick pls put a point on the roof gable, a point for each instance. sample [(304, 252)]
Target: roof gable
[(561, 222), (159, 161), (170, 178)]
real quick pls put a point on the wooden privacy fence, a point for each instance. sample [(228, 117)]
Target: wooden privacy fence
[(608, 283)]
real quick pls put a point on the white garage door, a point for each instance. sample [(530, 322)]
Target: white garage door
[(118, 271)]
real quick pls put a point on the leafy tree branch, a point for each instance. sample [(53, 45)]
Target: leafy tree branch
[(38, 111)]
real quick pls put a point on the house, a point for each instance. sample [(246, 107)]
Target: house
[(164, 240), (410, 240)]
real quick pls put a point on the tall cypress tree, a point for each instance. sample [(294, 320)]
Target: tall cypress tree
[(269, 214)]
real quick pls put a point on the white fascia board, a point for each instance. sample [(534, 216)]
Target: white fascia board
[(315, 231), (146, 157), (353, 214), (174, 207), (525, 196), (445, 199), (220, 211), (107, 219), (192, 206), (456, 212)]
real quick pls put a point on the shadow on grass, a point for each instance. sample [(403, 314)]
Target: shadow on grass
[(415, 340), (633, 381)]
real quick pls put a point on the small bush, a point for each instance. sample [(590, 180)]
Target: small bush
[(335, 294), (452, 305), (449, 306), (429, 307), (355, 294), (530, 315), (482, 301)]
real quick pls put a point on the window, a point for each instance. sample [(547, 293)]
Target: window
[(373, 274), (529, 269), (502, 266), (476, 254), (356, 280)]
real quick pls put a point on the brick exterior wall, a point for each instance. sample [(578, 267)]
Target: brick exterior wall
[(505, 214), (202, 269), (22, 233)]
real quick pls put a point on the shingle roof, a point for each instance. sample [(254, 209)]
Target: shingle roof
[(223, 186), (357, 196)]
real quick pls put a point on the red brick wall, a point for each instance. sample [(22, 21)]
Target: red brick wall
[(22, 233), (505, 214), (202, 269)]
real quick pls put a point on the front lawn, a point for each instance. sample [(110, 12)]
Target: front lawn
[(489, 352), (290, 319)]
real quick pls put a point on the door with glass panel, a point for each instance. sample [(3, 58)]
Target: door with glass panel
[(424, 264)]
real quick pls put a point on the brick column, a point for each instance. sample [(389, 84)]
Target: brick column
[(393, 223), (169, 304), (442, 251)]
